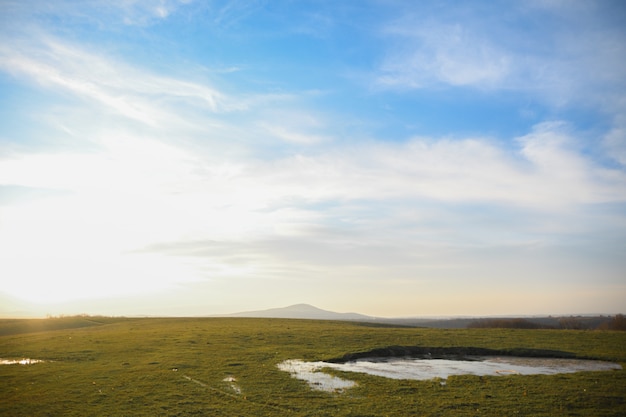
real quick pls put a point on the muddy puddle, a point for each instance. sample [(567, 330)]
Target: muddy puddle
[(425, 369), (310, 372), (24, 361), (232, 383)]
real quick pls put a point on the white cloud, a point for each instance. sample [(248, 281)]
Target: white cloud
[(293, 136), (346, 217), (116, 86), (544, 173)]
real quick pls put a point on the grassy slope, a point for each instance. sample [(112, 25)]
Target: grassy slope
[(125, 367), (17, 326)]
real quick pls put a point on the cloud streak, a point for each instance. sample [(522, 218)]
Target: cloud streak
[(116, 86)]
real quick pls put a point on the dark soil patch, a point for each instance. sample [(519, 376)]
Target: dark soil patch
[(458, 353)]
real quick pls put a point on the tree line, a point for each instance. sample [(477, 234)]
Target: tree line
[(617, 322)]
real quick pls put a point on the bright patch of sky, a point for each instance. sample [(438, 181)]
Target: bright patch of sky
[(391, 158)]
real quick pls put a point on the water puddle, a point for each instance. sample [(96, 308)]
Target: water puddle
[(310, 372), (24, 361), (425, 369), (232, 384)]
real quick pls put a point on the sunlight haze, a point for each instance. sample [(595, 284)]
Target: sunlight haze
[(188, 158)]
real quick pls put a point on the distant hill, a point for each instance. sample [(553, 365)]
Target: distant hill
[(307, 311), (301, 311)]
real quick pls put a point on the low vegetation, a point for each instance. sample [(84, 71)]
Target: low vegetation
[(227, 366), (516, 323)]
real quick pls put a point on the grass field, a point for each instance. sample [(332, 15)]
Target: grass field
[(196, 366)]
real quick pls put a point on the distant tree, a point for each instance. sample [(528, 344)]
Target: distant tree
[(515, 323), (618, 323), (571, 323)]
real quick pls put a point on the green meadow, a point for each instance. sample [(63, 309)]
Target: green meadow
[(97, 366)]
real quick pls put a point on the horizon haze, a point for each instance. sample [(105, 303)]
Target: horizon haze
[(395, 159)]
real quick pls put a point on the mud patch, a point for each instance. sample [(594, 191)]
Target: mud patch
[(459, 353)]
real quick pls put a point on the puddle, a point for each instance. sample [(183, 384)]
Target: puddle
[(24, 361), (425, 369), (232, 383), (310, 372)]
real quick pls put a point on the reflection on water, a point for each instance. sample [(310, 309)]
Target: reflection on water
[(24, 361), (232, 383), (424, 369), (310, 372)]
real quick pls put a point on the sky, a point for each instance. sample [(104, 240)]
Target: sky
[(392, 158)]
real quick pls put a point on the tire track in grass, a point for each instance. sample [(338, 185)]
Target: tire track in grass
[(237, 397)]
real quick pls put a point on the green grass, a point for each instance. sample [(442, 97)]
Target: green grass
[(124, 367)]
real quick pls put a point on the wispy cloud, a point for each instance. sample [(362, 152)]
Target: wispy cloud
[(300, 127), (442, 54), (116, 86), (108, 15), (141, 12), (615, 140), (471, 47), (230, 12)]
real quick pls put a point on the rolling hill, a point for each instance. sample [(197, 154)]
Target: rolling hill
[(301, 311)]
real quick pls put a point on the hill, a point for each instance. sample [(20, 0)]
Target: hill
[(301, 311), (307, 311)]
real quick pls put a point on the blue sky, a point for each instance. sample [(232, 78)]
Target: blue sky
[(394, 158)]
